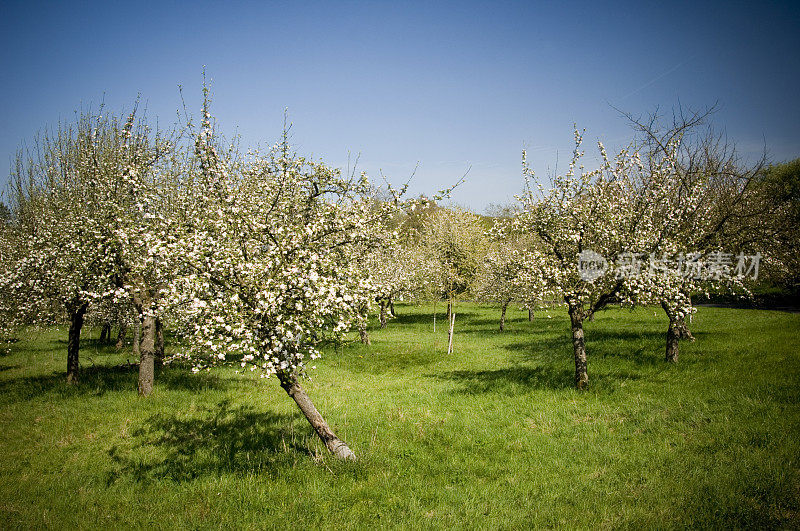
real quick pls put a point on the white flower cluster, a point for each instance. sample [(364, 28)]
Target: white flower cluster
[(268, 259), (252, 257)]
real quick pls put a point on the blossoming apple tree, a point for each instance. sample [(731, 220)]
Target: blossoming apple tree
[(394, 268), (456, 244), (455, 239), (145, 206), (509, 272), (267, 265), (706, 206), (587, 216), (62, 263)]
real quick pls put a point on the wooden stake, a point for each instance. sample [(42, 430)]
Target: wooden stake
[(450, 339)]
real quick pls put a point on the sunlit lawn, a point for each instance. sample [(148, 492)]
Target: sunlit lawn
[(490, 436)]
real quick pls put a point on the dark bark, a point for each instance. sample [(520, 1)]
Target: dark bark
[(137, 338), (123, 330), (530, 314), (105, 333), (159, 342), (503, 316), (676, 331), (673, 342), (579, 347), (383, 313), (391, 308), (76, 313), (335, 445), (683, 329), (147, 348)]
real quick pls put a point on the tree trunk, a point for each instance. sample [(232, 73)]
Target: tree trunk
[(76, 314), (362, 331), (123, 330), (147, 348), (449, 309), (362, 324), (450, 333), (579, 347), (383, 313), (683, 329), (391, 308), (334, 444), (676, 331), (530, 314), (503, 316), (137, 338), (105, 334), (159, 342), (673, 339)]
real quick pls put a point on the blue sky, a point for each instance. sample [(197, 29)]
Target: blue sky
[(443, 87)]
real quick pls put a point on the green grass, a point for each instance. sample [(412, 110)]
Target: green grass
[(492, 436)]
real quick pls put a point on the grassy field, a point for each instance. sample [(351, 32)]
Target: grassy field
[(492, 436)]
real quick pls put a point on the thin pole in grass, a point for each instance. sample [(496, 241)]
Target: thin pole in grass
[(450, 334), (434, 325)]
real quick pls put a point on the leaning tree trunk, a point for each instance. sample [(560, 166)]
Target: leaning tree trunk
[(147, 347), (579, 347), (503, 316), (334, 444), (383, 313), (391, 308), (76, 314)]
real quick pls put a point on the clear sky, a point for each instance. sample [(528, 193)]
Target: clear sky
[(440, 86)]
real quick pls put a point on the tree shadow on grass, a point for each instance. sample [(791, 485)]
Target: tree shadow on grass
[(542, 348), (223, 439), (601, 334), (488, 322), (20, 346), (644, 348), (97, 380), (510, 380), (494, 322), (427, 318), (520, 379), (556, 351), (642, 357), (382, 362)]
